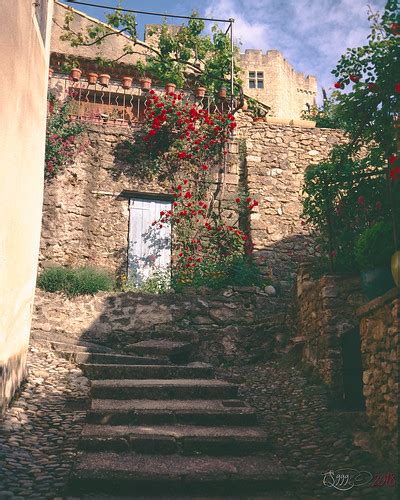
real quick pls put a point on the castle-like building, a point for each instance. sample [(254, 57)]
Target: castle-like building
[(272, 80)]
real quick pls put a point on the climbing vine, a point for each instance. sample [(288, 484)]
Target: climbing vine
[(62, 137)]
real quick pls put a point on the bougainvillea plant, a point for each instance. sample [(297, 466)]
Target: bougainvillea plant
[(175, 130), (358, 186), (179, 136), (62, 137)]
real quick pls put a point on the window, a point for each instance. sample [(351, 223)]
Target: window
[(256, 79)]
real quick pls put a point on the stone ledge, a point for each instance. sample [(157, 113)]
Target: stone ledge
[(375, 304)]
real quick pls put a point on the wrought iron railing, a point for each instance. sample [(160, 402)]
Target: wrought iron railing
[(114, 105)]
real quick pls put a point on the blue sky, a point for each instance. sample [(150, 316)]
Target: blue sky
[(311, 34)]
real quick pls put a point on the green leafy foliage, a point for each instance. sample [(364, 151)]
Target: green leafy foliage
[(74, 281), (374, 247), (238, 270), (62, 136), (358, 187)]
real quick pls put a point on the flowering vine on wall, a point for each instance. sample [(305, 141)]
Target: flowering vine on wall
[(62, 137), (180, 136)]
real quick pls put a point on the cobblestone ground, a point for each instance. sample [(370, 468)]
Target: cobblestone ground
[(39, 434), (309, 439)]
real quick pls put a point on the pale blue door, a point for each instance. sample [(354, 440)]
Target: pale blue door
[(149, 245)]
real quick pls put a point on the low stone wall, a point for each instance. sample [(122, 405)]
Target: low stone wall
[(379, 330), (326, 311), (228, 326)]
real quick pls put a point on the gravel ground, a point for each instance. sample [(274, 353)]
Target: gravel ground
[(40, 431), (309, 439)]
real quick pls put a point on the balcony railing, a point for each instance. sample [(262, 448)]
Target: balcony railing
[(115, 105)]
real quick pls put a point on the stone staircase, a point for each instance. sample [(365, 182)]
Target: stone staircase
[(161, 429)]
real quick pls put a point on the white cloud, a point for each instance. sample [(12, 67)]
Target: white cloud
[(311, 34)]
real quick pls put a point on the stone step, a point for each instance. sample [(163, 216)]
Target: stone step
[(159, 412), (113, 371), (67, 340), (177, 439), (66, 348), (116, 359), (136, 474), (177, 352), (163, 389)]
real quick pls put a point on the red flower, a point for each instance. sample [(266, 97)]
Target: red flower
[(244, 237), (248, 200), (395, 28), (361, 200), (237, 200), (392, 159), (378, 205), (179, 187), (204, 167), (355, 78), (395, 173), (185, 181), (373, 87), (338, 85), (188, 195), (182, 155), (397, 88)]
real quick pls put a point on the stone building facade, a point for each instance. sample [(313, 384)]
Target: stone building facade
[(269, 78), (24, 55), (86, 209)]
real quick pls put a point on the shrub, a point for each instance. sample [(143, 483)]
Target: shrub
[(238, 271), (375, 246), (79, 281)]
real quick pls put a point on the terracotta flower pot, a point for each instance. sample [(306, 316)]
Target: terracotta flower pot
[(396, 267), (200, 91), (126, 82), (145, 84), (92, 78), (245, 106), (51, 71), (75, 74), (104, 79), (170, 87), (222, 92)]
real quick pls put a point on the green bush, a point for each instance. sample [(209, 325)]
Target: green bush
[(375, 246), (79, 281), (238, 271)]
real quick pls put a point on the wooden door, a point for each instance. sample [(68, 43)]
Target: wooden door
[(149, 246)]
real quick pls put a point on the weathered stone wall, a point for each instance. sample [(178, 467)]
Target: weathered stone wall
[(276, 158), (85, 217), (285, 90), (326, 310), (379, 331), (232, 325)]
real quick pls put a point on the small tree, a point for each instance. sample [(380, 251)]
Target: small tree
[(358, 186)]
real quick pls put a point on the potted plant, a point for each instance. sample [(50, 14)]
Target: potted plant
[(145, 81), (104, 79), (373, 250), (75, 74), (200, 91), (170, 88), (92, 78), (126, 82)]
